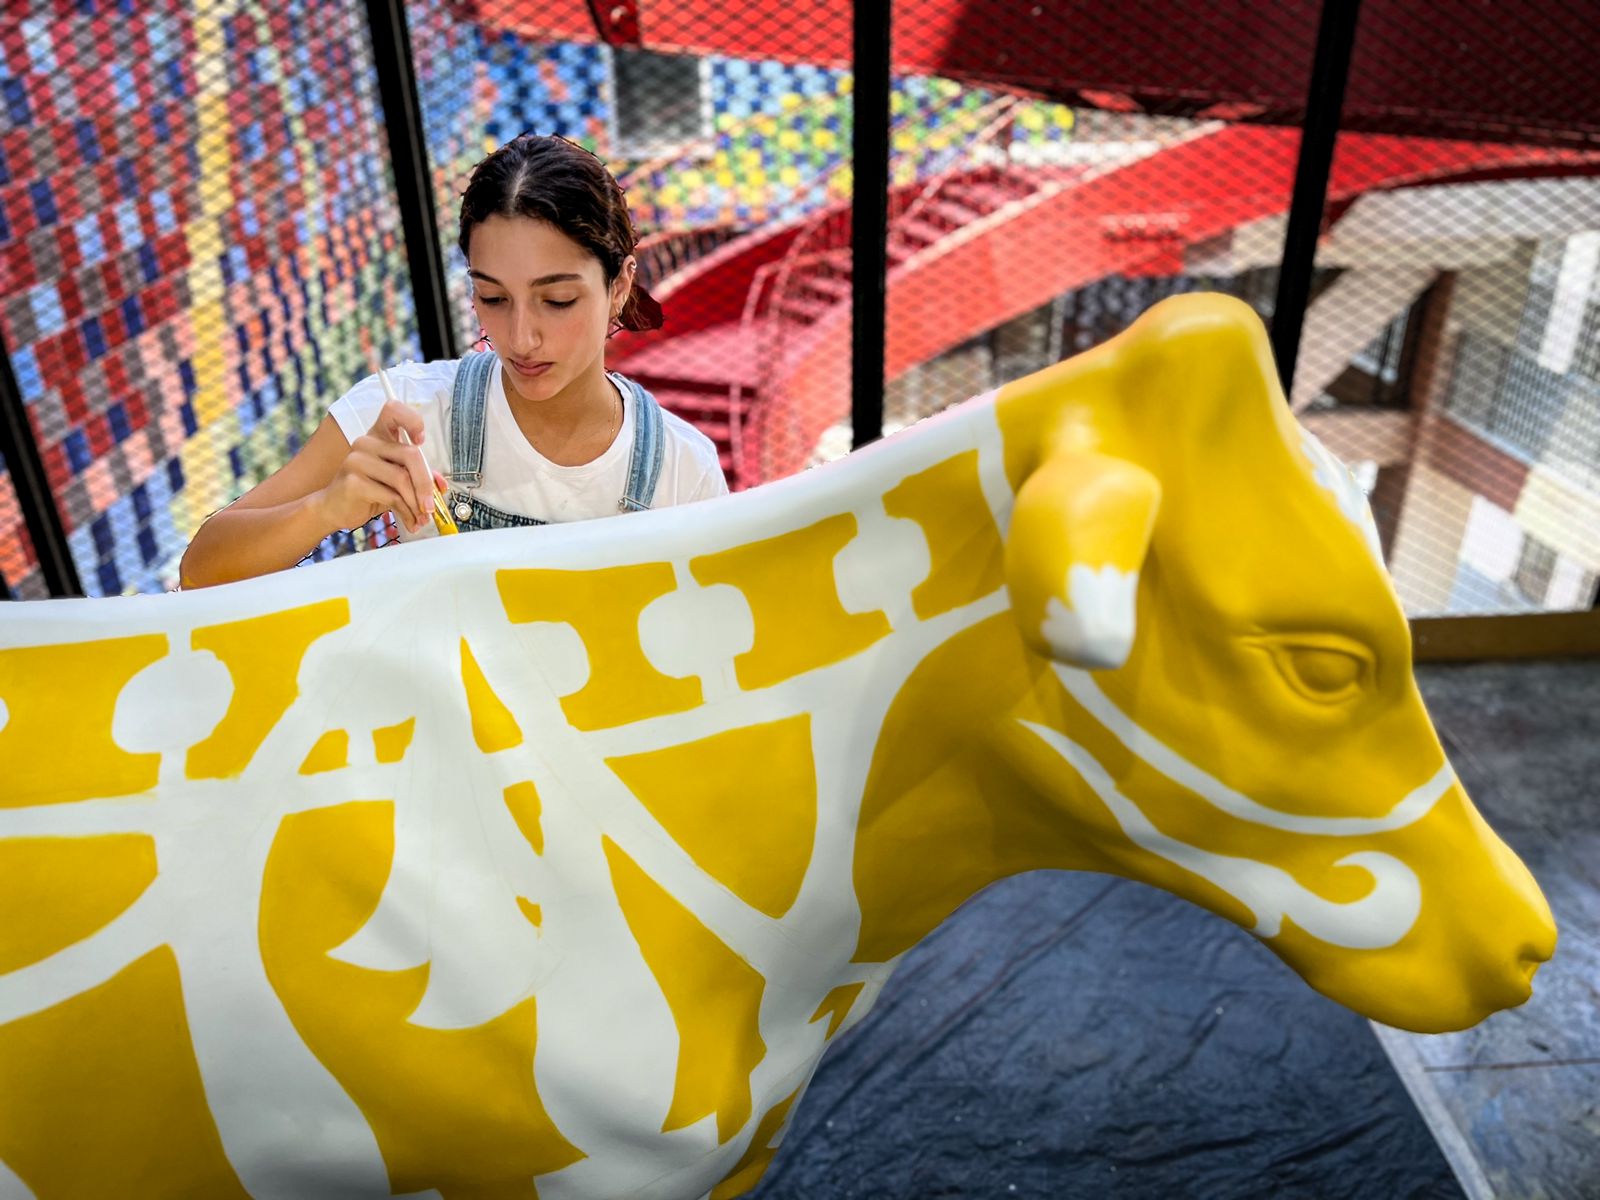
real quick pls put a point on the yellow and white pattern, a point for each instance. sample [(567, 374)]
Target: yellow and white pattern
[(546, 862)]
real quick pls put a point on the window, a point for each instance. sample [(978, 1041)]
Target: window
[(1535, 566), (661, 103)]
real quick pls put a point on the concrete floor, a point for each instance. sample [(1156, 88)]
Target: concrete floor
[(1515, 1102)]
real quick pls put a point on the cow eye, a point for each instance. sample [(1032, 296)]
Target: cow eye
[(1322, 673)]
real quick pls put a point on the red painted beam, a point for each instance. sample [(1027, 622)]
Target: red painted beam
[(1447, 74)]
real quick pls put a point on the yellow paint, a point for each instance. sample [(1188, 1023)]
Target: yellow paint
[(523, 801), (452, 1109), (1076, 509), (263, 655), (493, 726), (947, 501), (714, 995), (331, 752), (100, 1095), (55, 891), (56, 745), (604, 606), (531, 911), (1270, 665), (753, 1164), (836, 1005), (709, 795), (390, 743), (788, 581)]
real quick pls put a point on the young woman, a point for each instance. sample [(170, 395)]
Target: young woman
[(535, 432)]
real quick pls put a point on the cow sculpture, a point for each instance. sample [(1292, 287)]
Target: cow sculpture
[(548, 862)]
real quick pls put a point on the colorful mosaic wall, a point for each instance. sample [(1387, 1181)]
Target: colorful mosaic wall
[(779, 142), (19, 569), (196, 224)]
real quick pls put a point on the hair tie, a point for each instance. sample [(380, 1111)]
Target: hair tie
[(642, 313)]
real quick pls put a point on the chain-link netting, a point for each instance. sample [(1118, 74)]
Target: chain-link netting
[(199, 237), (731, 139), (196, 226), (1452, 356), (19, 567)]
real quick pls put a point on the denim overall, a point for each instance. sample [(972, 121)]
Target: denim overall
[(467, 405)]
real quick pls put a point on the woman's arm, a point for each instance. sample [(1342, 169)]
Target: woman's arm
[(330, 484)]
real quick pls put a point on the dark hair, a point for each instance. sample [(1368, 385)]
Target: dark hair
[(551, 179)]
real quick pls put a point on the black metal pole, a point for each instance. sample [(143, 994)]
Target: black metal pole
[(1330, 71), (39, 511), (869, 229), (408, 156)]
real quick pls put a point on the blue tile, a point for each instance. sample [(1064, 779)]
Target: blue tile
[(90, 242), (191, 424), (94, 337), (88, 144), (76, 444), (117, 418), (44, 201), (149, 265), (133, 316), (235, 461), (127, 180), (148, 550), (158, 119), (140, 498), (175, 475), (110, 581), (161, 205), (25, 366), (100, 530), (16, 100), (48, 316), (174, 75)]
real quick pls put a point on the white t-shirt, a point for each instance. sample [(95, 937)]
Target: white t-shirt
[(516, 477)]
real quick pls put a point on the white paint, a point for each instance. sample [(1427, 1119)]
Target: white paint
[(1380, 918), (1095, 628), (1335, 477), (1415, 805), (5, 714), (172, 704), (12, 1188)]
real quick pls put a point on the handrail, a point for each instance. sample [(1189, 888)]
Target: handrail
[(660, 255), (804, 250)]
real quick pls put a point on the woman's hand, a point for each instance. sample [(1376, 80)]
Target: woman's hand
[(383, 470)]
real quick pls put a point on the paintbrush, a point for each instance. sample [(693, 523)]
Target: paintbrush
[(442, 520)]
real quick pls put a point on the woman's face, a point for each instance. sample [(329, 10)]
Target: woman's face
[(543, 300)]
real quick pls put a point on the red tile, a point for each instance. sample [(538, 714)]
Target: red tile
[(73, 402), (98, 431), (56, 468), (115, 328), (71, 297)]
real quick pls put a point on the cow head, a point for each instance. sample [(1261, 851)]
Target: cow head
[(1212, 692)]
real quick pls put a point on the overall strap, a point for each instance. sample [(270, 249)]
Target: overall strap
[(468, 402), (649, 448)]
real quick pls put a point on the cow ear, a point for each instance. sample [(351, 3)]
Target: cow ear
[(1078, 538)]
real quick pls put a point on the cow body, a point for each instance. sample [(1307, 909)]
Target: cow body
[(548, 862)]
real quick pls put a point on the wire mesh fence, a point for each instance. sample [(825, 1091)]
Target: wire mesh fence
[(200, 236), (197, 226), (1451, 358)]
